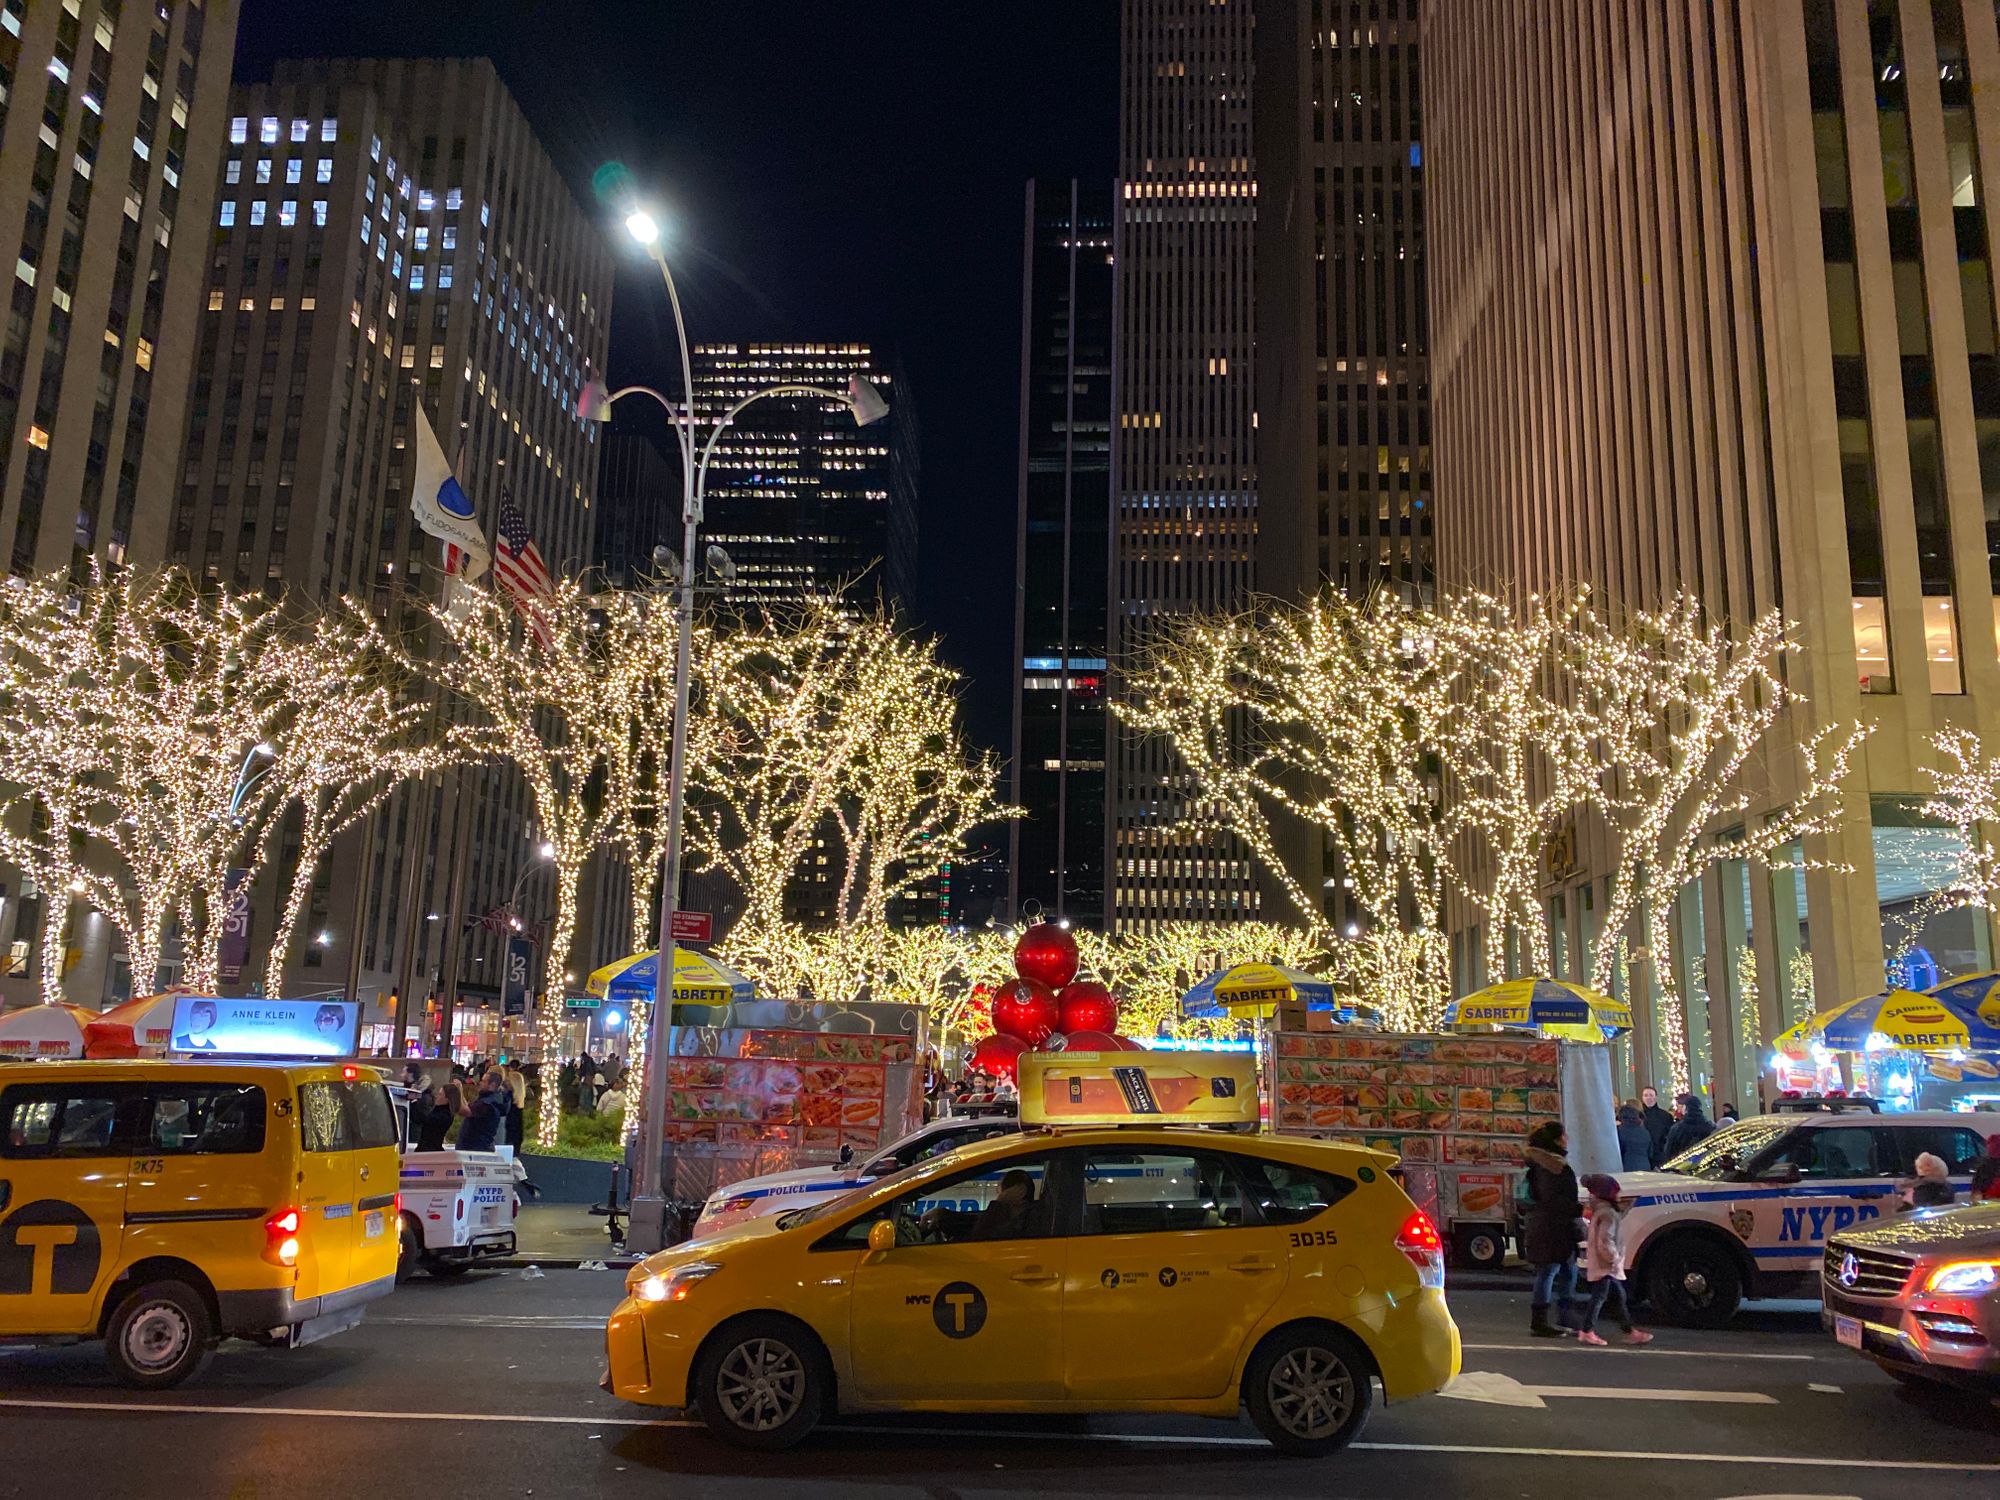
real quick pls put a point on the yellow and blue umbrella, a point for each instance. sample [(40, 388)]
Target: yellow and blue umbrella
[(698, 979), (1553, 1007), (1978, 993), (1901, 1019), (1257, 990)]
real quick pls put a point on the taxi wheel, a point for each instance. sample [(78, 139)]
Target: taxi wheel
[(1308, 1390), (1694, 1283), (761, 1383), (158, 1336)]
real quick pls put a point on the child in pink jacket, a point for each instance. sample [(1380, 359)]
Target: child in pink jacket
[(1604, 1263)]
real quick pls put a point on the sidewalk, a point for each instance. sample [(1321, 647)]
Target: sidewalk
[(561, 1235)]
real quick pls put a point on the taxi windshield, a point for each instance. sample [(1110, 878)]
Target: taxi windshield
[(814, 1212), (1728, 1150)]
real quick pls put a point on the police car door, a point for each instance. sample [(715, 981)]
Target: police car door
[(65, 1154), (1845, 1177)]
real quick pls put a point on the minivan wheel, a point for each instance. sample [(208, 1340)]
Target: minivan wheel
[(1308, 1390), (762, 1383), (158, 1336), (1693, 1283)]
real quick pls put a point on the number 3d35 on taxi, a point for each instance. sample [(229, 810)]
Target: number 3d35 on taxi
[(1099, 1263)]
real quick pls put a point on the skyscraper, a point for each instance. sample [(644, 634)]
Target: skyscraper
[(638, 507), (1062, 577), (392, 239), (1714, 310), (111, 128), (806, 502), (1343, 440), (1184, 474)]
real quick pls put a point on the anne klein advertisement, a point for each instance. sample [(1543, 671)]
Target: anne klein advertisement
[(264, 1028)]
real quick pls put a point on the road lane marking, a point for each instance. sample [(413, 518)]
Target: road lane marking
[(1129, 1439), (1652, 1352), (1494, 1389)]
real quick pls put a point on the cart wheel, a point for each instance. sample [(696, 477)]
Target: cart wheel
[(1479, 1247)]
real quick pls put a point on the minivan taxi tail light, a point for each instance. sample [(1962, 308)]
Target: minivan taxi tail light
[(281, 1237), (1419, 1239)]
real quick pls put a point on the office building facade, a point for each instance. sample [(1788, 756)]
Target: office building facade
[(1184, 462), (1062, 558), (806, 503), (1714, 314), (638, 508), (391, 239), (111, 129)]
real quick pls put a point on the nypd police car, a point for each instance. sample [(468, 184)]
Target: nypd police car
[(778, 1192), (1747, 1212)]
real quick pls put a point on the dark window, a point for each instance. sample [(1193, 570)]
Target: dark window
[(205, 1119), (1160, 1191), (54, 1119), (374, 1116), (1008, 1200), (1840, 1151), (1287, 1194), (1958, 1147)]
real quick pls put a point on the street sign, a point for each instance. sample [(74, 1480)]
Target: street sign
[(583, 1002), (693, 927)]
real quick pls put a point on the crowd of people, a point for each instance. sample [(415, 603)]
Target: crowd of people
[(594, 1086), (467, 1114), (1649, 1137)]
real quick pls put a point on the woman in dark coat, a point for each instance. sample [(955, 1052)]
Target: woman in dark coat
[(1551, 1227), (1635, 1142)]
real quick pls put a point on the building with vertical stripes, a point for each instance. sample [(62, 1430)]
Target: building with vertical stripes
[(390, 239), (111, 129), (1713, 300), (1184, 460), (1062, 556)]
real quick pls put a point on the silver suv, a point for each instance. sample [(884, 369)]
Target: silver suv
[(1920, 1295)]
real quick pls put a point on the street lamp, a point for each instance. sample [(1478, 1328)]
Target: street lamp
[(647, 1229)]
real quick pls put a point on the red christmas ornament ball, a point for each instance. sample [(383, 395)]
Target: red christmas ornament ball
[(1046, 953), (1025, 1008), (1090, 1041), (1086, 1005), (999, 1055)]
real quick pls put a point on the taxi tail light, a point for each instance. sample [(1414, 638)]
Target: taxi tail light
[(281, 1237), (1419, 1239)]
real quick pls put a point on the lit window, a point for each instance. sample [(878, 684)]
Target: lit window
[(396, 268), (319, 212), (256, 213), (453, 198), (324, 171), (328, 129), (299, 128), (215, 300), (364, 231), (233, 172), (142, 354), (426, 201), (423, 238), (228, 215), (263, 171), (375, 148), (409, 359), (288, 212), (308, 304), (444, 276), (247, 304), (293, 169), (267, 131), (404, 187), (38, 437), (482, 213), (437, 356), (417, 277), (239, 130), (451, 236)]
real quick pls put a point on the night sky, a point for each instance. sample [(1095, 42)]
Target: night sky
[(847, 170)]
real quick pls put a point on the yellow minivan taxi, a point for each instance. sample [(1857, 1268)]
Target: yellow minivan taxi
[(1090, 1270), (162, 1205)]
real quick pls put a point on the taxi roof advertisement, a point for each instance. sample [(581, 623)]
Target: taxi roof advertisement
[(1128, 1088), (264, 1028)]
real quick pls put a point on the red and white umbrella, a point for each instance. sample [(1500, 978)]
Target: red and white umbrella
[(37, 1031), (151, 1017)]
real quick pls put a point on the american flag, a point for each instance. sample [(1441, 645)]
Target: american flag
[(519, 569)]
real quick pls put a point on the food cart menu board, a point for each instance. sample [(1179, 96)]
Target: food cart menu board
[(806, 1090), (1451, 1099)]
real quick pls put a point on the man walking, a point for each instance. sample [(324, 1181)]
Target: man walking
[(1656, 1120)]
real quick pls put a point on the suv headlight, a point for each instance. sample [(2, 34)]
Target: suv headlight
[(1965, 1278), (675, 1284)]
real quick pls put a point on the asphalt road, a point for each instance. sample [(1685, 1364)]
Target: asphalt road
[(487, 1386)]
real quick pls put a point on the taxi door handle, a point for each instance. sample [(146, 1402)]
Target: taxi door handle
[(1034, 1276), (1253, 1265)]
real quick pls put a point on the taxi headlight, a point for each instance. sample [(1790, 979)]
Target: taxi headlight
[(675, 1284), (1965, 1277)]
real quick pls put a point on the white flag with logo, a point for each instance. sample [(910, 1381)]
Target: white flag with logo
[(444, 510)]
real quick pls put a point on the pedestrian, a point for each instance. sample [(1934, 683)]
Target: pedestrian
[(517, 1106), (1932, 1187), (1727, 1116), (586, 1084), (1986, 1173), (444, 1108), (1635, 1146), (1552, 1225), (1657, 1121), (1604, 1264), (1691, 1127), (487, 1121)]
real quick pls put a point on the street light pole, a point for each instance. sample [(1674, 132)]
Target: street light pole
[(647, 1230)]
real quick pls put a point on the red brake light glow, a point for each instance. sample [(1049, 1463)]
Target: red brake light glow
[(349, 1072), (1419, 1234), (281, 1237)]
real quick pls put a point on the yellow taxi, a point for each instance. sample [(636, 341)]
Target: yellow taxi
[(162, 1205), (1093, 1269)]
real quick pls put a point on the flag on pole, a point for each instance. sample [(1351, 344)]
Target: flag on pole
[(518, 568), (444, 510)]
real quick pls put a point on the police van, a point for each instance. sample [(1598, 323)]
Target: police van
[(1747, 1212)]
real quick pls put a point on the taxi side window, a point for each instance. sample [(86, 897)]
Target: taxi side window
[(1958, 1147), (1157, 1192), (63, 1120), (205, 1119), (346, 1116), (1010, 1201), (1835, 1152), (1287, 1194)]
